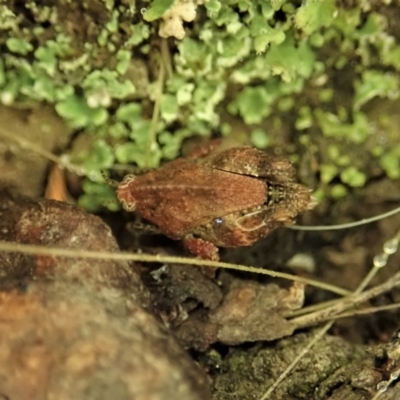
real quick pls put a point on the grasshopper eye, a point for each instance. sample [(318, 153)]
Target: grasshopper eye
[(128, 206), (124, 193)]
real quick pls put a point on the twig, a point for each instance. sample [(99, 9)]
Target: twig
[(347, 225), (346, 303), (75, 253)]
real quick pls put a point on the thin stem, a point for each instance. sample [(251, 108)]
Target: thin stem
[(156, 108), (309, 309), (166, 56), (367, 311), (62, 162), (347, 225), (320, 334), (53, 251), (351, 301)]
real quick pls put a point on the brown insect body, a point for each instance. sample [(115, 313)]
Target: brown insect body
[(229, 199)]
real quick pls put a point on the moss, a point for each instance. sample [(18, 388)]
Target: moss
[(249, 373)]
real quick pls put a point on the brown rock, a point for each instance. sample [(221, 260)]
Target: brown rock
[(77, 328)]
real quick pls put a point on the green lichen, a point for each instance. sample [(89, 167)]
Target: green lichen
[(328, 172), (19, 46), (305, 119), (79, 114), (96, 195), (157, 9), (102, 86), (315, 14), (332, 125), (373, 84), (259, 138), (254, 104), (353, 177), (338, 191), (213, 6), (390, 162)]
